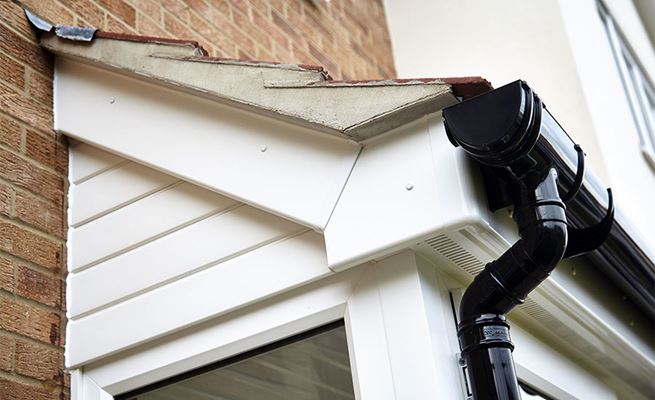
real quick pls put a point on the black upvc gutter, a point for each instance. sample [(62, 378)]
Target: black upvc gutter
[(528, 160)]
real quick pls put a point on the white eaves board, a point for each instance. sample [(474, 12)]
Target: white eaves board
[(406, 185), (285, 169)]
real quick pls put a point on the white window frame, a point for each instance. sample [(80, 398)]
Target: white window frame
[(638, 90)]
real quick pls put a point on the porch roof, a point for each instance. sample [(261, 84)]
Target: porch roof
[(302, 94)]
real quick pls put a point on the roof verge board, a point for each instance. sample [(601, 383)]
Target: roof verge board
[(302, 94)]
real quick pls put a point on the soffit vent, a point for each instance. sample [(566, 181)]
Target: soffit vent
[(449, 247), (464, 253), (456, 254)]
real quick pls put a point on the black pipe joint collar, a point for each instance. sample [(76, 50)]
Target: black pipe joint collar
[(484, 331)]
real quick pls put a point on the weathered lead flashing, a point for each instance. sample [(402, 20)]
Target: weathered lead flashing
[(82, 34)]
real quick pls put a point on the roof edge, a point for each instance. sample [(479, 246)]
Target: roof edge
[(294, 92)]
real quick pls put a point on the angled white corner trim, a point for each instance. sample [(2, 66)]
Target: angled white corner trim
[(282, 168), (405, 187)]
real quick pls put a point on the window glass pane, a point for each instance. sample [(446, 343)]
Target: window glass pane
[(637, 88), (311, 368)]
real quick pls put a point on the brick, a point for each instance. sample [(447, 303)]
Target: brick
[(40, 88), (296, 5), (267, 26), (29, 246), (25, 51), (316, 22), (176, 27), (147, 26), (9, 133), (237, 36), (150, 8), (307, 31), (39, 287), (25, 108), (264, 55), (201, 7), (6, 353), (322, 58), (263, 6), (10, 390), (28, 176), (12, 15), (356, 18), (244, 55), (113, 24), (281, 6), (50, 10), (300, 55), (222, 7), (30, 321), (283, 54), (12, 72), (216, 38), (282, 24), (6, 274), (120, 9), (260, 37), (89, 12), (177, 8), (50, 150), (39, 362), (242, 6)]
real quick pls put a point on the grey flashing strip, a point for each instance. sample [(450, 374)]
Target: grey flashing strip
[(82, 34)]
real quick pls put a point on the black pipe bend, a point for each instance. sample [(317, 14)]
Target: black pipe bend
[(483, 331), (507, 281)]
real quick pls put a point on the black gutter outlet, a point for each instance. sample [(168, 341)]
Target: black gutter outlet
[(503, 130)]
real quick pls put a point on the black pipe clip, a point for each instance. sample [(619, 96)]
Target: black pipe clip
[(579, 176), (588, 239)]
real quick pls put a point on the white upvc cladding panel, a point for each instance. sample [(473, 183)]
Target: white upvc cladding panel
[(150, 254), (285, 169)]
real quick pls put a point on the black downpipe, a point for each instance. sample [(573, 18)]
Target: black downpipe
[(501, 130), (505, 283)]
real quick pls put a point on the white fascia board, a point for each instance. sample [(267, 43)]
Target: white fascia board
[(406, 186), (285, 169)]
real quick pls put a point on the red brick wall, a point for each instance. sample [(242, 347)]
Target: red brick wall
[(348, 37)]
